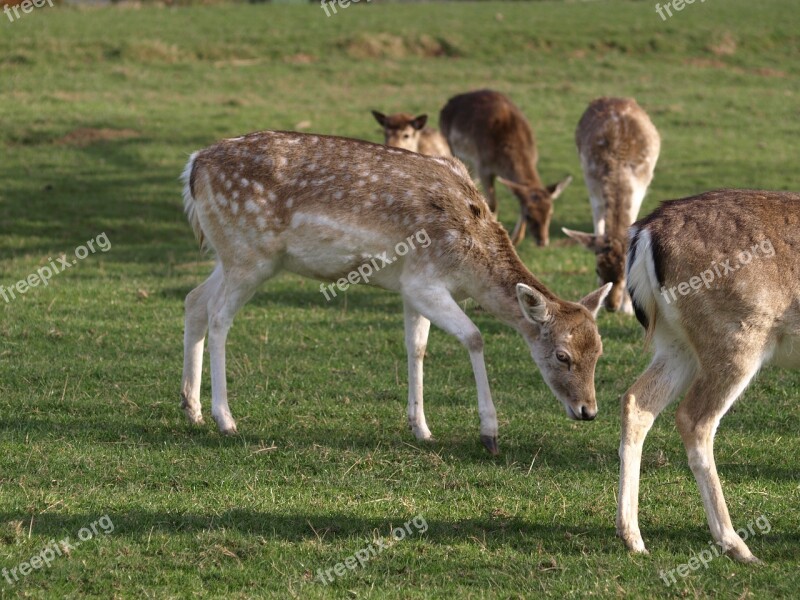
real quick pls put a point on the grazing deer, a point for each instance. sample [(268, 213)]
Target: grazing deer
[(321, 207), (486, 130), (405, 131), (725, 323), (618, 147)]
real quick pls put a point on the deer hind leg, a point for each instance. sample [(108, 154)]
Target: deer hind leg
[(194, 334), (235, 291), (664, 380), (698, 416), (417, 328), (487, 183), (439, 307)]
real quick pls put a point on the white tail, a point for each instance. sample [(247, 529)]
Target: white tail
[(618, 146), (327, 207), (714, 280), (487, 131), (404, 131)]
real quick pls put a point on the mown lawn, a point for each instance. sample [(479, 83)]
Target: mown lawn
[(99, 109)]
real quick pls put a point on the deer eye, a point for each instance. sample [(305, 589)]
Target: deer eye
[(406, 136), (563, 357)]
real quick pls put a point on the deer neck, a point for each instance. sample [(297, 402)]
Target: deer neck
[(619, 198), (494, 287), (527, 174)]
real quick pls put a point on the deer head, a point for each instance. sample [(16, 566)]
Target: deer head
[(565, 345), (401, 130), (536, 206), (610, 253)]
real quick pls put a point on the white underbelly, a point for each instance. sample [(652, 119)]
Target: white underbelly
[(314, 248)]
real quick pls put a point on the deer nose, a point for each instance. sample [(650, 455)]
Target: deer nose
[(588, 414)]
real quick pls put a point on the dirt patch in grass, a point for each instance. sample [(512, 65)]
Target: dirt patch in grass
[(724, 46), (387, 45), (712, 63), (84, 136)]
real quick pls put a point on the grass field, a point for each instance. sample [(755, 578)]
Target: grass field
[(99, 109)]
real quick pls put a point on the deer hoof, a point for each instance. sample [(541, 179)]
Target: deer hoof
[(490, 443), (192, 412)]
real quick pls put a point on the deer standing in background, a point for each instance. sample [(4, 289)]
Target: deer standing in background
[(618, 146), (487, 131), (322, 207), (405, 131), (728, 319)]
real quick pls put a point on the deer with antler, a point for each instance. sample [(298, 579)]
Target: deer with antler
[(322, 206)]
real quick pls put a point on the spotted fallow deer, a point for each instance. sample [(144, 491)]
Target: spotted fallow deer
[(618, 147), (487, 131), (405, 131), (733, 257), (321, 207)]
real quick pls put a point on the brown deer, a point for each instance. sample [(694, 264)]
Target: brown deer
[(487, 131), (715, 280), (324, 207), (405, 131), (618, 146)]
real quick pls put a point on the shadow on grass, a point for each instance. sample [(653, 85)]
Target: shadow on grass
[(565, 453), (493, 532)]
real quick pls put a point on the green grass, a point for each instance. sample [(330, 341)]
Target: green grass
[(90, 366)]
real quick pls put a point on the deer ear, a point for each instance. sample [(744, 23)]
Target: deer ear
[(533, 304), (419, 122), (558, 188), (379, 117), (593, 301), (587, 239), (518, 187)]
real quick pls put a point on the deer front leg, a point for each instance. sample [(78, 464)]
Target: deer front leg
[(626, 308), (487, 183), (519, 229), (438, 306), (660, 384), (417, 328), (697, 418)]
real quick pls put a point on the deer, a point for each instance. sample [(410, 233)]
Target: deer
[(618, 147), (406, 131), (725, 322), (323, 206), (487, 131)]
